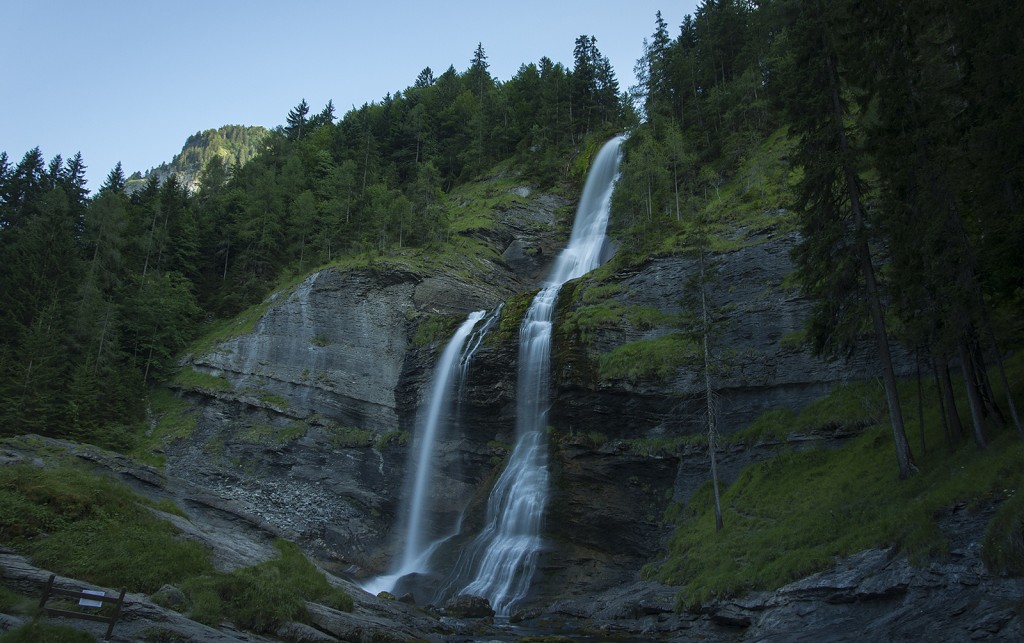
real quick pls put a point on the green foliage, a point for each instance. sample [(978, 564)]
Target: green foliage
[(268, 434), (511, 319), (190, 379), (435, 329), (263, 597), (397, 438), (585, 321), (649, 359), (1003, 545), (37, 631), (13, 603), (347, 437), (174, 418), (667, 445), (92, 527)]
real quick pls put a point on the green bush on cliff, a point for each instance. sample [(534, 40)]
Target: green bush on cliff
[(92, 527), (435, 329), (649, 359)]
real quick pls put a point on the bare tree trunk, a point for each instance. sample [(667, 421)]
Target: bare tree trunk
[(920, 400), (956, 427), (1002, 373), (973, 398), (946, 431), (709, 395)]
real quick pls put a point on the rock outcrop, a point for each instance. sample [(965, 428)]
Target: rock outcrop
[(876, 595), (307, 422)]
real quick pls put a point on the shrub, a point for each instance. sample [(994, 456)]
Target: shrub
[(263, 597)]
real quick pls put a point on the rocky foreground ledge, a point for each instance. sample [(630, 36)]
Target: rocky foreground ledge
[(876, 595)]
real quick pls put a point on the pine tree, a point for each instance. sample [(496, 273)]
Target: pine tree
[(296, 127), (115, 181), (833, 256), (424, 79)]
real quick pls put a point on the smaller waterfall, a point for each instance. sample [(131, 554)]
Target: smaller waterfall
[(418, 548)]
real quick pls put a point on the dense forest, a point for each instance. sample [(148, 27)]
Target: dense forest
[(898, 125)]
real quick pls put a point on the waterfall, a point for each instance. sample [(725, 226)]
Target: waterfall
[(417, 550), (500, 562)]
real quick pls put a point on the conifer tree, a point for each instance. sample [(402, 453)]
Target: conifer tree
[(297, 120), (834, 257)]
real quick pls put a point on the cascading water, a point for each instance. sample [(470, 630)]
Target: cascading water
[(417, 550), (500, 562)]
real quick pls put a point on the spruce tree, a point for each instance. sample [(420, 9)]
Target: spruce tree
[(834, 257)]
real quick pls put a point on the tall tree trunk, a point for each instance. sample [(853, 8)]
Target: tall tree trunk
[(946, 431), (904, 456), (973, 398), (709, 394), (920, 400), (956, 427)]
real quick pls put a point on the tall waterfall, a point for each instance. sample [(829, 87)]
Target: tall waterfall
[(500, 562), (418, 547)]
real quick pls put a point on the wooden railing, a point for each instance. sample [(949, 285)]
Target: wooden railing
[(86, 598)]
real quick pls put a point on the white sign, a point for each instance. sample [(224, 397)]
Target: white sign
[(86, 602)]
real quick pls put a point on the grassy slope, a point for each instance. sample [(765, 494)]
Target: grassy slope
[(91, 527), (793, 514)]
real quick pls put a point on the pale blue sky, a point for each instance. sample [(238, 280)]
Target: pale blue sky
[(131, 80)]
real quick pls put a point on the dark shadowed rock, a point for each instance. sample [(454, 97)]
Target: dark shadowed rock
[(469, 606)]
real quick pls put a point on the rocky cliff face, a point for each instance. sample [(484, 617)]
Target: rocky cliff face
[(313, 432), (312, 425)]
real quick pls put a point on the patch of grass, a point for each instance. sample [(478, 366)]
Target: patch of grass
[(648, 359), (92, 527), (1003, 545), (600, 292), (172, 419), (166, 505), (435, 329), (585, 321), (41, 632), (512, 313), (396, 438), (666, 445), (319, 340), (850, 406), (263, 597), (190, 379), (260, 433), (348, 437), (14, 603), (274, 400), (221, 330)]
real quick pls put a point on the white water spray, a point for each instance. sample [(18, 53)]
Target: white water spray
[(417, 551)]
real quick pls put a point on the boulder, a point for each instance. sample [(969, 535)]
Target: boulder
[(469, 606)]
